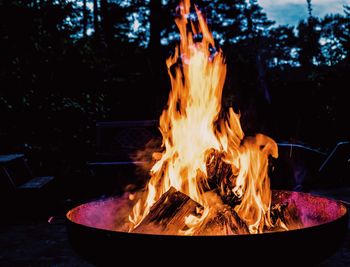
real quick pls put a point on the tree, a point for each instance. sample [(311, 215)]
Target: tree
[(344, 32), (96, 21), (85, 18), (257, 31), (106, 23), (308, 42), (226, 19), (256, 20), (347, 10), (308, 39), (309, 8), (281, 47), (334, 39), (154, 43)]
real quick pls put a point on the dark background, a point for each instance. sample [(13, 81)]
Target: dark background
[(67, 66)]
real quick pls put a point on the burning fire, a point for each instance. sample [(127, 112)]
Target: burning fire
[(201, 146)]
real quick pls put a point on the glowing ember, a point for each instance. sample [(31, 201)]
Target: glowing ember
[(206, 155)]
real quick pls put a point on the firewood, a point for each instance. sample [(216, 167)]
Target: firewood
[(288, 213), (167, 215), (224, 221), (220, 177), (277, 211)]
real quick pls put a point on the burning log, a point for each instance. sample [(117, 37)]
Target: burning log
[(221, 177), (287, 213), (167, 215), (277, 211), (223, 222)]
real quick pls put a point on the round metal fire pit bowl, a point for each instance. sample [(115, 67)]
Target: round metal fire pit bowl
[(90, 229)]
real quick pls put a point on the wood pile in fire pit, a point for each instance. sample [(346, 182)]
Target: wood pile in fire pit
[(168, 215)]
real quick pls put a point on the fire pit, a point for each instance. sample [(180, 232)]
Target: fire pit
[(91, 229), (208, 197)]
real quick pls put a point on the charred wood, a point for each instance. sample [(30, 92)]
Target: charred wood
[(288, 213), (220, 177), (168, 214), (223, 222)]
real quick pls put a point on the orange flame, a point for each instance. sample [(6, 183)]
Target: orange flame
[(189, 132)]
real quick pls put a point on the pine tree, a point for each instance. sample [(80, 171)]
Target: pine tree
[(85, 18), (347, 10), (106, 25), (96, 21), (154, 43), (308, 39), (309, 8), (335, 36), (281, 44), (226, 19), (257, 21)]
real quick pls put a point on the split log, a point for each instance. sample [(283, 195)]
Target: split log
[(288, 213), (277, 211), (167, 215), (220, 177), (223, 222)]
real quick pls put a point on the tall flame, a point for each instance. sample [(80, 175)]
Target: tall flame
[(191, 126)]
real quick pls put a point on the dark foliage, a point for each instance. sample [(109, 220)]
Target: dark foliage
[(66, 64)]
